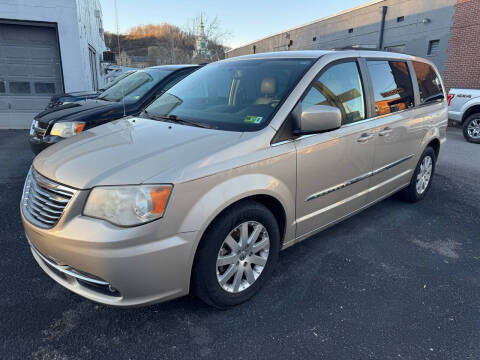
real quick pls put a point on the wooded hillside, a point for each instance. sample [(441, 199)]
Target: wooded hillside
[(160, 44)]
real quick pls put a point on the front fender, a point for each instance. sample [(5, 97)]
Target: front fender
[(220, 193), (233, 189)]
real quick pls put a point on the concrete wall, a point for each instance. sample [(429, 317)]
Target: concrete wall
[(89, 15), (333, 32)]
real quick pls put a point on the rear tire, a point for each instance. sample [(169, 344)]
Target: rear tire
[(471, 128), (247, 264), (422, 177)]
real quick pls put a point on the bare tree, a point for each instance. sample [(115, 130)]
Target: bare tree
[(212, 27)]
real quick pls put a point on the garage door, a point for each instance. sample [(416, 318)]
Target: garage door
[(30, 72)]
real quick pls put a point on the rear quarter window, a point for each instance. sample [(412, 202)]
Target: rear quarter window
[(429, 83), (392, 86)]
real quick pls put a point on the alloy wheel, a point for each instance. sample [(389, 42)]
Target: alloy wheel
[(473, 129), (242, 256), (424, 175)]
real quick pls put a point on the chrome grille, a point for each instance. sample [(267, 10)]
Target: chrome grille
[(43, 200), (39, 129)]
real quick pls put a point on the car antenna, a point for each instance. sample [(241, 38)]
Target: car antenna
[(123, 101)]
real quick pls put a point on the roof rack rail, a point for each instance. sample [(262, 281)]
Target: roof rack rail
[(357, 48)]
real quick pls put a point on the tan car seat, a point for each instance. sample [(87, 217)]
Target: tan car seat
[(268, 88)]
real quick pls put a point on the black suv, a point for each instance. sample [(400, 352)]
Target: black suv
[(78, 96), (127, 97)]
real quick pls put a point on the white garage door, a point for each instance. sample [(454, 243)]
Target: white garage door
[(30, 72)]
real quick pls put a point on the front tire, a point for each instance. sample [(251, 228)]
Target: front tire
[(471, 128), (236, 255), (422, 177)]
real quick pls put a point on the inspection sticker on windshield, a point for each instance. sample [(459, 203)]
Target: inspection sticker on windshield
[(253, 119)]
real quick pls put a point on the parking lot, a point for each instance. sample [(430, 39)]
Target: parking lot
[(398, 281)]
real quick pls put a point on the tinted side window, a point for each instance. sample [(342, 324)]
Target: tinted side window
[(44, 88), (392, 86), (175, 80), (339, 86), (19, 87), (428, 83)]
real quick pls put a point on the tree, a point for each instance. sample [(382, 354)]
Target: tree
[(214, 32)]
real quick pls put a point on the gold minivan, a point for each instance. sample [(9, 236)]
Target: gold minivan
[(236, 162)]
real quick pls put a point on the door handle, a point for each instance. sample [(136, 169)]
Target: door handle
[(365, 137), (385, 132)]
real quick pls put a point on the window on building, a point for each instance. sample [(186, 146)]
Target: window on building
[(314, 38), (339, 86), (2, 87), (44, 88), (395, 48), (400, 18), (429, 83), (93, 67), (392, 86), (350, 30), (433, 47), (19, 87)]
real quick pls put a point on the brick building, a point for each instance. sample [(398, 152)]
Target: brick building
[(447, 32), (462, 68)]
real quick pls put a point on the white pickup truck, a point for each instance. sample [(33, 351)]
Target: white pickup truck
[(464, 107)]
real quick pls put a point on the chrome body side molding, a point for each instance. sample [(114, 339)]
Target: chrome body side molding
[(357, 179), (344, 201)]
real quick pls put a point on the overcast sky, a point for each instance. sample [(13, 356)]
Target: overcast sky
[(247, 20)]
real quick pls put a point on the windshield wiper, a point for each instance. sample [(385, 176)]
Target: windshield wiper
[(175, 119)]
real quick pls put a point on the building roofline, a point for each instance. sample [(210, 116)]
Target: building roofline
[(370, 3)]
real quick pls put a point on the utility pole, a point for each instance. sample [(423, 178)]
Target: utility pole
[(117, 28), (173, 51)]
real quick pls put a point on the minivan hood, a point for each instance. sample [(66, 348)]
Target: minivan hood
[(130, 151)]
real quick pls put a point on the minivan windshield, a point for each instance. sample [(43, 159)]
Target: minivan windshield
[(134, 86), (236, 95)]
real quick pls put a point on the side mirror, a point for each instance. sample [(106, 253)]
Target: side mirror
[(319, 118)]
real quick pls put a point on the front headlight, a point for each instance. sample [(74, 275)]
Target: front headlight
[(128, 205), (67, 129)]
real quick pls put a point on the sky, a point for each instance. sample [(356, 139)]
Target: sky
[(246, 20)]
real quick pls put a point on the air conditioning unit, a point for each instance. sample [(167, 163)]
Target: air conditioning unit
[(108, 56)]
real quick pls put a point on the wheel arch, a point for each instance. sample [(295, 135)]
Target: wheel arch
[(435, 145), (264, 189), (469, 111), (267, 200)]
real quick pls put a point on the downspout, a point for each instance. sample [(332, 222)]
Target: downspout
[(382, 27)]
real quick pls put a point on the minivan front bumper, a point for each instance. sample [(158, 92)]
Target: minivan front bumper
[(114, 266)]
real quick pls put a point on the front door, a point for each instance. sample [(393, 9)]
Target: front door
[(333, 168)]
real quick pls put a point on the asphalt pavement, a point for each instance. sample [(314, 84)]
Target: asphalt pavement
[(398, 281)]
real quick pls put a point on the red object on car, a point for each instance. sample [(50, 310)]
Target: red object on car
[(449, 98)]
